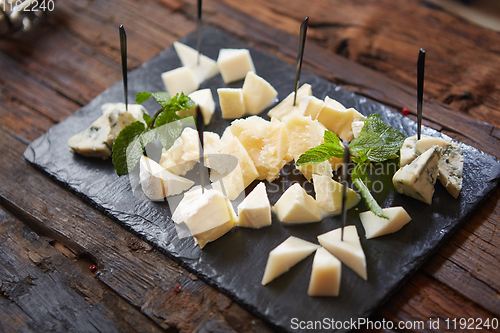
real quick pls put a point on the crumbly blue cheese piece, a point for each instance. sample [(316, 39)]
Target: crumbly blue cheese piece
[(97, 140), (450, 168), (417, 179)]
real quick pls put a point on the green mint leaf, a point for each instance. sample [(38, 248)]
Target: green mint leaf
[(385, 140), (168, 133), (147, 119), (121, 145), (369, 200), (162, 98), (323, 152), (176, 103), (142, 97), (361, 171)]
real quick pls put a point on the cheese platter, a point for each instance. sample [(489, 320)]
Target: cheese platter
[(235, 263)]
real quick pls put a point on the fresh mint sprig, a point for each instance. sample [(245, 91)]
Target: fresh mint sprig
[(377, 142), (130, 144)]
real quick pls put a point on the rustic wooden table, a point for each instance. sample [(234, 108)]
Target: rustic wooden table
[(49, 238)]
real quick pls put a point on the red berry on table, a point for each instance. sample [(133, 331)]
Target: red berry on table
[(92, 268), (405, 111)]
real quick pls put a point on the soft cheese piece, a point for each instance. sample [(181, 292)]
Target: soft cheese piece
[(158, 183), (309, 170), (93, 141), (407, 151), (451, 166), (255, 210), (97, 140), (426, 142), (180, 80), (310, 106), (339, 121), (234, 64), (334, 103), (329, 195), (349, 251), (232, 104), (285, 256), (376, 226), (285, 107), (417, 179), (296, 206), (325, 274), (257, 93), (203, 70), (208, 215), (266, 143), (205, 100)]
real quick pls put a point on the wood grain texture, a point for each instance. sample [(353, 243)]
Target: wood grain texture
[(367, 46)]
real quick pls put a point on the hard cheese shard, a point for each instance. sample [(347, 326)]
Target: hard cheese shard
[(325, 274), (208, 215), (202, 71), (376, 226), (157, 182), (285, 256), (255, 210), (296, 206), (285, 108), (417, 179), (329, 195), (349, 251)]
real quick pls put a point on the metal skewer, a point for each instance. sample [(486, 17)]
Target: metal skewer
[(420, 90), (198, 32), (123, 50), (347, 156), (200, 127), (302, 42)]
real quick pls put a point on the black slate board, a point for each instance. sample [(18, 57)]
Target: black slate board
[(235, 263)]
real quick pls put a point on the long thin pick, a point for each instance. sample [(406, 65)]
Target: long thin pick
[(420, 90), (302, 42), (200, 126), (123, 50), (198, 32)]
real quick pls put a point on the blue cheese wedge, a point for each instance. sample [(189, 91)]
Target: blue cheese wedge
[(450, 168), (97, 140), (417, 179)]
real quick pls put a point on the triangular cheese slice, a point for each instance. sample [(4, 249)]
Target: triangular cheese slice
[(285, 256), (255, 210), (376, 226), (325, 274), (296, 206), (202, 71), (349, 251)]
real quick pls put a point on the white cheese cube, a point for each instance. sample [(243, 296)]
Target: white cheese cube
[(329, 195), (158, 183), (451, 166), (232, 104), (286, 107), (356, 127), (208, 216), (310, 106), (234, 64), (266, 143), (257, 93), (376, 226), (285, 256), (325, 274), (339, 121), (205, 100), (180, 80), (202, 71), (255, 210), (417, 179), (296, 206), (349, 250)]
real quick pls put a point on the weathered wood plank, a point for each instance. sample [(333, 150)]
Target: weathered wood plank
[(42, 290)]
